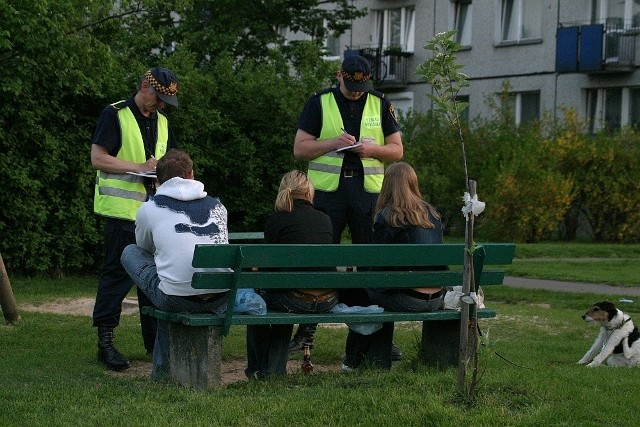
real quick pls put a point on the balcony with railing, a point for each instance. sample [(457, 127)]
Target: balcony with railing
[(389, 65), (608, 47)]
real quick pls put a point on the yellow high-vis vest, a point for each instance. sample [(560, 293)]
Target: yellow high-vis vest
[(324, 171), (120, 195)]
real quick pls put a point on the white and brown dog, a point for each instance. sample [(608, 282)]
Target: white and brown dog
[(618, 340)]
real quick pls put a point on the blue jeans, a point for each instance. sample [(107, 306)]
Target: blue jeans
[(268, 345), (401, 301), (375, 349), (141, 266)]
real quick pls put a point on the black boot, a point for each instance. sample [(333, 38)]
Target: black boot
[(304, 336), (108, 354), (396, 354)]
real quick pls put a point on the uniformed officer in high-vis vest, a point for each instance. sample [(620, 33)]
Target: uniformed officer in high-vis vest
[(347, 133), (130, 138)]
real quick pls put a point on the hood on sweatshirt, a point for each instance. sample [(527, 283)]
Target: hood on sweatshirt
[(182, 189)]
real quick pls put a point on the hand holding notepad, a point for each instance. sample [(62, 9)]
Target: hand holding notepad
[(349, 147)]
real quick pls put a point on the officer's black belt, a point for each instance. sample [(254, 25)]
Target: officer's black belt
[(350, 173)]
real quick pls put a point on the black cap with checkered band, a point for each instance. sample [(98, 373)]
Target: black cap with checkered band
[(165, 83), (356, 73)]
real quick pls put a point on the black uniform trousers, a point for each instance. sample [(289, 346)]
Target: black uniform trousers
[(350, 205), (115, 283)]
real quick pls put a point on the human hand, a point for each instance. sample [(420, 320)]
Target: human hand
[(149, 165), (366, 148), (344, 140)]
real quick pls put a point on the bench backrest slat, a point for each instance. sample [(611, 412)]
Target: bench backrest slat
[(339, 279), (314, 256), (246, 235), (269, 259)]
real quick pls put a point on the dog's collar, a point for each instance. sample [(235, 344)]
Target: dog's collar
[(621, 324)]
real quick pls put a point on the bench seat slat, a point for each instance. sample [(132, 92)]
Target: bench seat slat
[(274, 317)]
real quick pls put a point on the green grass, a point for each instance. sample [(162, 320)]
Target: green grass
[(576, 250), (49, 374), (615, 272), (577, 262)]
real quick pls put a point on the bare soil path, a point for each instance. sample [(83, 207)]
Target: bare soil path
[(232, 371)]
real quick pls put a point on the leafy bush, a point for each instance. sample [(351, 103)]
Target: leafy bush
[(544, 180), (63, 61), (604, 169)]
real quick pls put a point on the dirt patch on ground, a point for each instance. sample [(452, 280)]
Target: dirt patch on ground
[(79, 306), (232, 371)]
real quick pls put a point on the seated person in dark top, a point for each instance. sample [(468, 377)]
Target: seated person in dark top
[(295, 220), (401, 216)]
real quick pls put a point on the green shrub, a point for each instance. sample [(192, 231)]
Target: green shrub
[(542, 180)]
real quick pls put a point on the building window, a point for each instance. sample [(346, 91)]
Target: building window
[(525, 106), (402, 101), (520, 19), (283, 34), (634, 110), (396, 28), (331, 43), (616, 14), (462, 14), (613, 108), (395, 36), (464, 115)]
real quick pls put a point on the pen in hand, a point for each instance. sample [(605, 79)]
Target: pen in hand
[(153, 163)]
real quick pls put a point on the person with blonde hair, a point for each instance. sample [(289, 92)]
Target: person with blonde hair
[(294, 220), (401, 216)]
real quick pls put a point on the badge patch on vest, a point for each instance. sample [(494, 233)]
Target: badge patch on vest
[(371, 122), (392, 111)]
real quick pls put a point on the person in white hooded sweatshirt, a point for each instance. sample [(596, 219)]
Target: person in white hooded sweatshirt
[(168, 227)]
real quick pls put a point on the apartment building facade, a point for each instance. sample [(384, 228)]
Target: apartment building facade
[(550, 53)]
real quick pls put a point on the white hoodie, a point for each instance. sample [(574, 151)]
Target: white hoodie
[(171, 223)]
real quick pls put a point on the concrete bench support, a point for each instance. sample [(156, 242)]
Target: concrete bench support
[(196, 355), (441, 343)]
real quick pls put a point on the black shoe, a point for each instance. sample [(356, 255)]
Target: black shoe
[(108, 354), (254, 375), (303, 336), (396, 354), (296, 344)]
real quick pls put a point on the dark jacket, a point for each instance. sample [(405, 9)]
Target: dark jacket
[(383, 232), (304, 224)]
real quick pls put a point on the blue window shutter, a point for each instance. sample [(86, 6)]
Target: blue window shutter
[(567, 50), (591, 47)]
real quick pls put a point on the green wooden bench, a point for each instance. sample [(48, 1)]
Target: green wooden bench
[(196, 339)]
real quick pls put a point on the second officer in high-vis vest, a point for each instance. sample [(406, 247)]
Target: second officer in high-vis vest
[(130, 137), (347, 180)]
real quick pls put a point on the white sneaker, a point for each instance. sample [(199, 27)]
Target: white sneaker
[(346, 368)]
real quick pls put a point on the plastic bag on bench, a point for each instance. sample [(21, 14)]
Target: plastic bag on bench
[(249, 302), (452, 298), (361, 328)]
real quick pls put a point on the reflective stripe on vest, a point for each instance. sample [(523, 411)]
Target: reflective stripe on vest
[(324, 171), (120, 195)]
